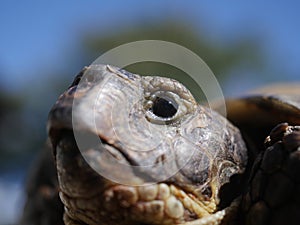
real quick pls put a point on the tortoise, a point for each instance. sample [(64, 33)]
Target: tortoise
[(150, 154)]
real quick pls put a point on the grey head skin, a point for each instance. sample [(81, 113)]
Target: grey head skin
[(139, 150)]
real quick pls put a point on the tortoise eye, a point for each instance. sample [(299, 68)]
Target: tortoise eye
[(164, 107)]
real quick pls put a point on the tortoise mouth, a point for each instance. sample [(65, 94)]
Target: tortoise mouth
[(159, 203)]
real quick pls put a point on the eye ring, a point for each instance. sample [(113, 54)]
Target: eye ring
[(163, 107), (177, 98)]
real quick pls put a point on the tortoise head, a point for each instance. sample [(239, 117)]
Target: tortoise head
[(132, 149)]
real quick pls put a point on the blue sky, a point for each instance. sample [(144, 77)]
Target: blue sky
[(42, 33)]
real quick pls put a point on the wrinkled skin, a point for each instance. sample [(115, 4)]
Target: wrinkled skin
[(195, 157), (188, 156)]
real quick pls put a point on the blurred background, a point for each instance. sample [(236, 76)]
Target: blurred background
[(44, 45)]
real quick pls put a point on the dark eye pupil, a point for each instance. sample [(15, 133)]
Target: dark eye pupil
[(164, 108)]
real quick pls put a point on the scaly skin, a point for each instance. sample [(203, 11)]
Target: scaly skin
[(204, 149), (204, 189), (274, 187)]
